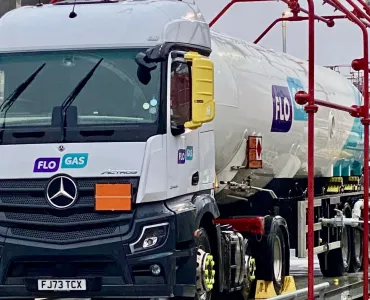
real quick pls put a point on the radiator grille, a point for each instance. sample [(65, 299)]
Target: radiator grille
[(23, 207)]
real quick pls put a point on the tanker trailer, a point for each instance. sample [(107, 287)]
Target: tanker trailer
[(254, 94)]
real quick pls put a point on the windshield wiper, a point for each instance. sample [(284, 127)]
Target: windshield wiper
[(9, 101), (72, 96)]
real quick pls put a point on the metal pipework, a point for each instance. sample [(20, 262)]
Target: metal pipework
[(340, 220), (292, 4), (330, 23)]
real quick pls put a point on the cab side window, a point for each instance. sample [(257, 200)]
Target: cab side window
[(180, 94)]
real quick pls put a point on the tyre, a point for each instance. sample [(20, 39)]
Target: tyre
[(331, 263), (336, 262), (204, 266), (346, 247), (346, 240), (271, 264), (356, 250)]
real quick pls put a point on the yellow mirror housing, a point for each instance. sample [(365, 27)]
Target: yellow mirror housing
[(203, 102)]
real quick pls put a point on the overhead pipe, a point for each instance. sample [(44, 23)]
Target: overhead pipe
[(330, 23), (292, 4), (365, 6)]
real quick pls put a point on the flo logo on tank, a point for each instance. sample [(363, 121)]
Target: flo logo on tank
[(282, 109), (68, 161), (296, 85)]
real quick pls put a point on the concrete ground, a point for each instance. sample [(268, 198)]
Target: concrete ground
[(347, 288), (299, 266)]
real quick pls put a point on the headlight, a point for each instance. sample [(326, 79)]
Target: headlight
[(151, 237)]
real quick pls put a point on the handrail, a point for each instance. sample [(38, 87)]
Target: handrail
[(293, 295)]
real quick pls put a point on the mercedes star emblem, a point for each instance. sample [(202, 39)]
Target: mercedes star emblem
[(61, 192), (61, 148)]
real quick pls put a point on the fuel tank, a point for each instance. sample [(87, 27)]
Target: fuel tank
[(254, 92)]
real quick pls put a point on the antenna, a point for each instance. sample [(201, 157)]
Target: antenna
[(73, 14)]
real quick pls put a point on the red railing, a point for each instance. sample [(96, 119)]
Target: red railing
[(356, 77), (357, 16)]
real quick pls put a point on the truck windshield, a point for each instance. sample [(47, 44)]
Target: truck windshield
[(112, 102)]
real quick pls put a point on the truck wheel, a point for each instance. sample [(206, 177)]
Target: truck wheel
[(277, 240), (346, 239), (356, 250), (336, 262), (346, 247), (271, 261), (205, 267), (331, 263)]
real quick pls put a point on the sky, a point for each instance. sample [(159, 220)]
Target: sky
[(334, 46)]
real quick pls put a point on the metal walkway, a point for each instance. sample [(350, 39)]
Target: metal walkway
[(341, 288)]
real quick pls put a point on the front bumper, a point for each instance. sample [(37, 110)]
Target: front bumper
[(107, 264)]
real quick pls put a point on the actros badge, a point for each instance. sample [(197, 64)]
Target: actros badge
[(61, 192)]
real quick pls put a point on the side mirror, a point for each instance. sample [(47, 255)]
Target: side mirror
[(144, 68), (202, 98), (177, 129)]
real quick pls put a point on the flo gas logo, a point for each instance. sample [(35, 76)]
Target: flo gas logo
[(68, 161), (184, 154), (282, 109)]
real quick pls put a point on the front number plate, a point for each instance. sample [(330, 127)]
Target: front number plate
[(61, 285)]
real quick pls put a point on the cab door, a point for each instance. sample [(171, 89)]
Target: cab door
[(182, 144)]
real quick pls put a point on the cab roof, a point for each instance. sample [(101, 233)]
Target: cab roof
[(102, 25)]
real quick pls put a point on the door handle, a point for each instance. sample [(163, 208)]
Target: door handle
[(195, 178)]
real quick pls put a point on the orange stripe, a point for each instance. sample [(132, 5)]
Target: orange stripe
[(113, 190), (111, 197), (112, 204)]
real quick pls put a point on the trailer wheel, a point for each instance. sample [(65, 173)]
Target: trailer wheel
[(346, 248), (278, 257), (331, 263), (336, 262), (271, 260), (356, 250)]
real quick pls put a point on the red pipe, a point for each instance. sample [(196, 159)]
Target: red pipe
[(226, 8), (311, 109), (290, 19), (330, 23), (358, 12), (288, 2), (365, 6), (355, 111), (352, 17)]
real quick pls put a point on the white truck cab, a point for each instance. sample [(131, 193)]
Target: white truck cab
[(103, 148)]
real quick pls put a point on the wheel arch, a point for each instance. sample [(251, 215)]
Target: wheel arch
[(206, 208), (206, 212)]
